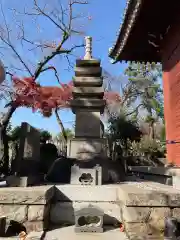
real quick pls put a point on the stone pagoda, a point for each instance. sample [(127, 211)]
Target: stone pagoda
[(88, 104)]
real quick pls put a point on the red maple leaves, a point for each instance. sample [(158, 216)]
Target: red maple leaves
[(30, 94)]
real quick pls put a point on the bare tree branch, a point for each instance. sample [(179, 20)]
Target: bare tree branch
[(58, 51), (9, 44), (42, 11), (55, 71), (62, 20), (15, 39), (17, 54)]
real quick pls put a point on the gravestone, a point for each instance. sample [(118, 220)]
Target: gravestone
[(29, 151)]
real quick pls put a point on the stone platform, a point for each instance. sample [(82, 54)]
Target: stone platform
[(29, 206), (68, 233), (162, 175), (141, 206), (164, 171)]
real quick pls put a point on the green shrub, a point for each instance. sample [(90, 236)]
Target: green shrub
[(147, 150)]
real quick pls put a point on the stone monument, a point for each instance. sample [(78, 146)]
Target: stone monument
[(88, 104), (29, 148), (27, 162)]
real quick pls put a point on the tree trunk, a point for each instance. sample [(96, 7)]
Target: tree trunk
[(151, 131), (4, 155), (61, 125), (4, 147)]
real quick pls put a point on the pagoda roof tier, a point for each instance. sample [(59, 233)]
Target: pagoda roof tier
[(88, 63), (90, 71), (88, 92), (88, 81), (88, 104), (143, 30)]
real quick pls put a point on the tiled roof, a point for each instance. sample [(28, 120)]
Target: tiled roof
[(129, 18)]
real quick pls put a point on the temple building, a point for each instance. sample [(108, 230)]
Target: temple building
[(150, 32)]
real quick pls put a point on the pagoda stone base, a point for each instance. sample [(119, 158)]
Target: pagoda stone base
[(85, 149), (86, 154)]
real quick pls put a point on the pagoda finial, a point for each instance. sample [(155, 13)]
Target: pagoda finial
[(88, 48)]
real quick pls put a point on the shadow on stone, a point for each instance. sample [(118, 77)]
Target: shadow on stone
[(60, 171), (111, 222), (14, 229), (49, 198), (172, 228), (61, 212), (48, 154)]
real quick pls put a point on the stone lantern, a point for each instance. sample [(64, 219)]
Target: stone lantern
[(2, 72)]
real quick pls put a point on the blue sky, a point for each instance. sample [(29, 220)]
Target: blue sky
[(105, 21)]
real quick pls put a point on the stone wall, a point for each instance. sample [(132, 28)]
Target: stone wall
[(141, 207), (162, 175), (75, 197), (37, 208), (145, 207), (28, 206)]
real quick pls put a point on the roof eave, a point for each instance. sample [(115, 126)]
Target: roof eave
[(125, 28)]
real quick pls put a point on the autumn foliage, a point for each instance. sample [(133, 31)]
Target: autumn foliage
[(30, 94)]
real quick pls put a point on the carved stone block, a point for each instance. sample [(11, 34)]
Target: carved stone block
[(89, 219), (86, 176)]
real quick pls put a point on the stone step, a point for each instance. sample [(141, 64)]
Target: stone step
[(31, 236), (68, 233), (38, 195), (164, 171), (83, 193), (131, 193)]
